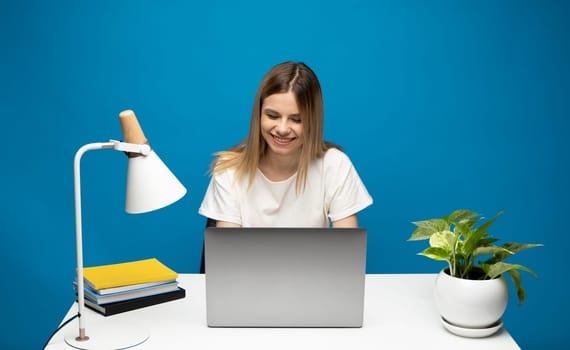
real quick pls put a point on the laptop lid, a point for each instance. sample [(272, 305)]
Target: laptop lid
[(285, 277)]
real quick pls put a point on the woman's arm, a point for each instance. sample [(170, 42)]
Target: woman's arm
[(226, 224), (349, 221)]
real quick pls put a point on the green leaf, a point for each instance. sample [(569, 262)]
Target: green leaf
[(443, 239), (485, 226), (501, 267), (472, 241), (510, 249), (462, 228), (491, 250), (427, 228), (484, 242), (517, 279), (436, 253), (517, 247), (460, 215), (474, 237)]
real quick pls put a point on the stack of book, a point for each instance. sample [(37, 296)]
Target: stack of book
[(116, 288)]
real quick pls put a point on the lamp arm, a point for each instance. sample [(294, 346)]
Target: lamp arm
[(78, 229)]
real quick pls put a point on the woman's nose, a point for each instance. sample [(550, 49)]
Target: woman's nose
[(283, 126)]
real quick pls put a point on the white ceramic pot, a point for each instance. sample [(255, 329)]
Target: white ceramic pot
[(471, 303)]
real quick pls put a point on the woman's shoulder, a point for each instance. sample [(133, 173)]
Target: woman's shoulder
[(335, 162), (334, 156), (225, 175), (227, 172)]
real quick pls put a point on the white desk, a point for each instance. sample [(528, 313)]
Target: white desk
[(399, 314)]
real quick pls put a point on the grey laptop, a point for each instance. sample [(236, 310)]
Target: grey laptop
[(285, 277)]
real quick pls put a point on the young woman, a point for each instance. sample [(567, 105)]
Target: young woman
[(284, 174)]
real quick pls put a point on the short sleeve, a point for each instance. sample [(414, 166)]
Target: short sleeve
[(221, 200), (345, 193)]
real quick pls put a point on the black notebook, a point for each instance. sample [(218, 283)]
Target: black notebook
[(136, 303)]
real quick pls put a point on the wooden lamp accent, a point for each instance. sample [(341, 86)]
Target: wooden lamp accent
[(132, 131)]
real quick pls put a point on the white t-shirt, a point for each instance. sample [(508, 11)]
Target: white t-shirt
[(333, 191)]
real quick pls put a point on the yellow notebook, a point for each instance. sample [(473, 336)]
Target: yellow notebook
[(128, 273)]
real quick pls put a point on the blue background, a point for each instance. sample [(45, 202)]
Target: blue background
[(440, 105)]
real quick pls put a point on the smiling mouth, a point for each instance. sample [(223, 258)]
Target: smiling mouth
[(283, 141)]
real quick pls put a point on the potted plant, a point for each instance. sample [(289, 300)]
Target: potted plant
[(471, 291)]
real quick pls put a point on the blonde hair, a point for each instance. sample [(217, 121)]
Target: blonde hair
[(302, 81)]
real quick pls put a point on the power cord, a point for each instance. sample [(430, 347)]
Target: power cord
[(59, 328)]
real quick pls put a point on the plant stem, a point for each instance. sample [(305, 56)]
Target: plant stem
[(453, 254)]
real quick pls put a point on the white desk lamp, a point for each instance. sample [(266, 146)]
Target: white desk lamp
[(150, 186)]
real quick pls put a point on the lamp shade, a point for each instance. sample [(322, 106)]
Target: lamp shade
[(150, 184)]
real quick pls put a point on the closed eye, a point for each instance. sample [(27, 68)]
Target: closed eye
[(271, 114)]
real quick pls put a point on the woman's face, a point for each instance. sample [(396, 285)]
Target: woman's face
[(281, 125)]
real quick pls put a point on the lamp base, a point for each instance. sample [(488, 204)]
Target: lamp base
[(109, 335)]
